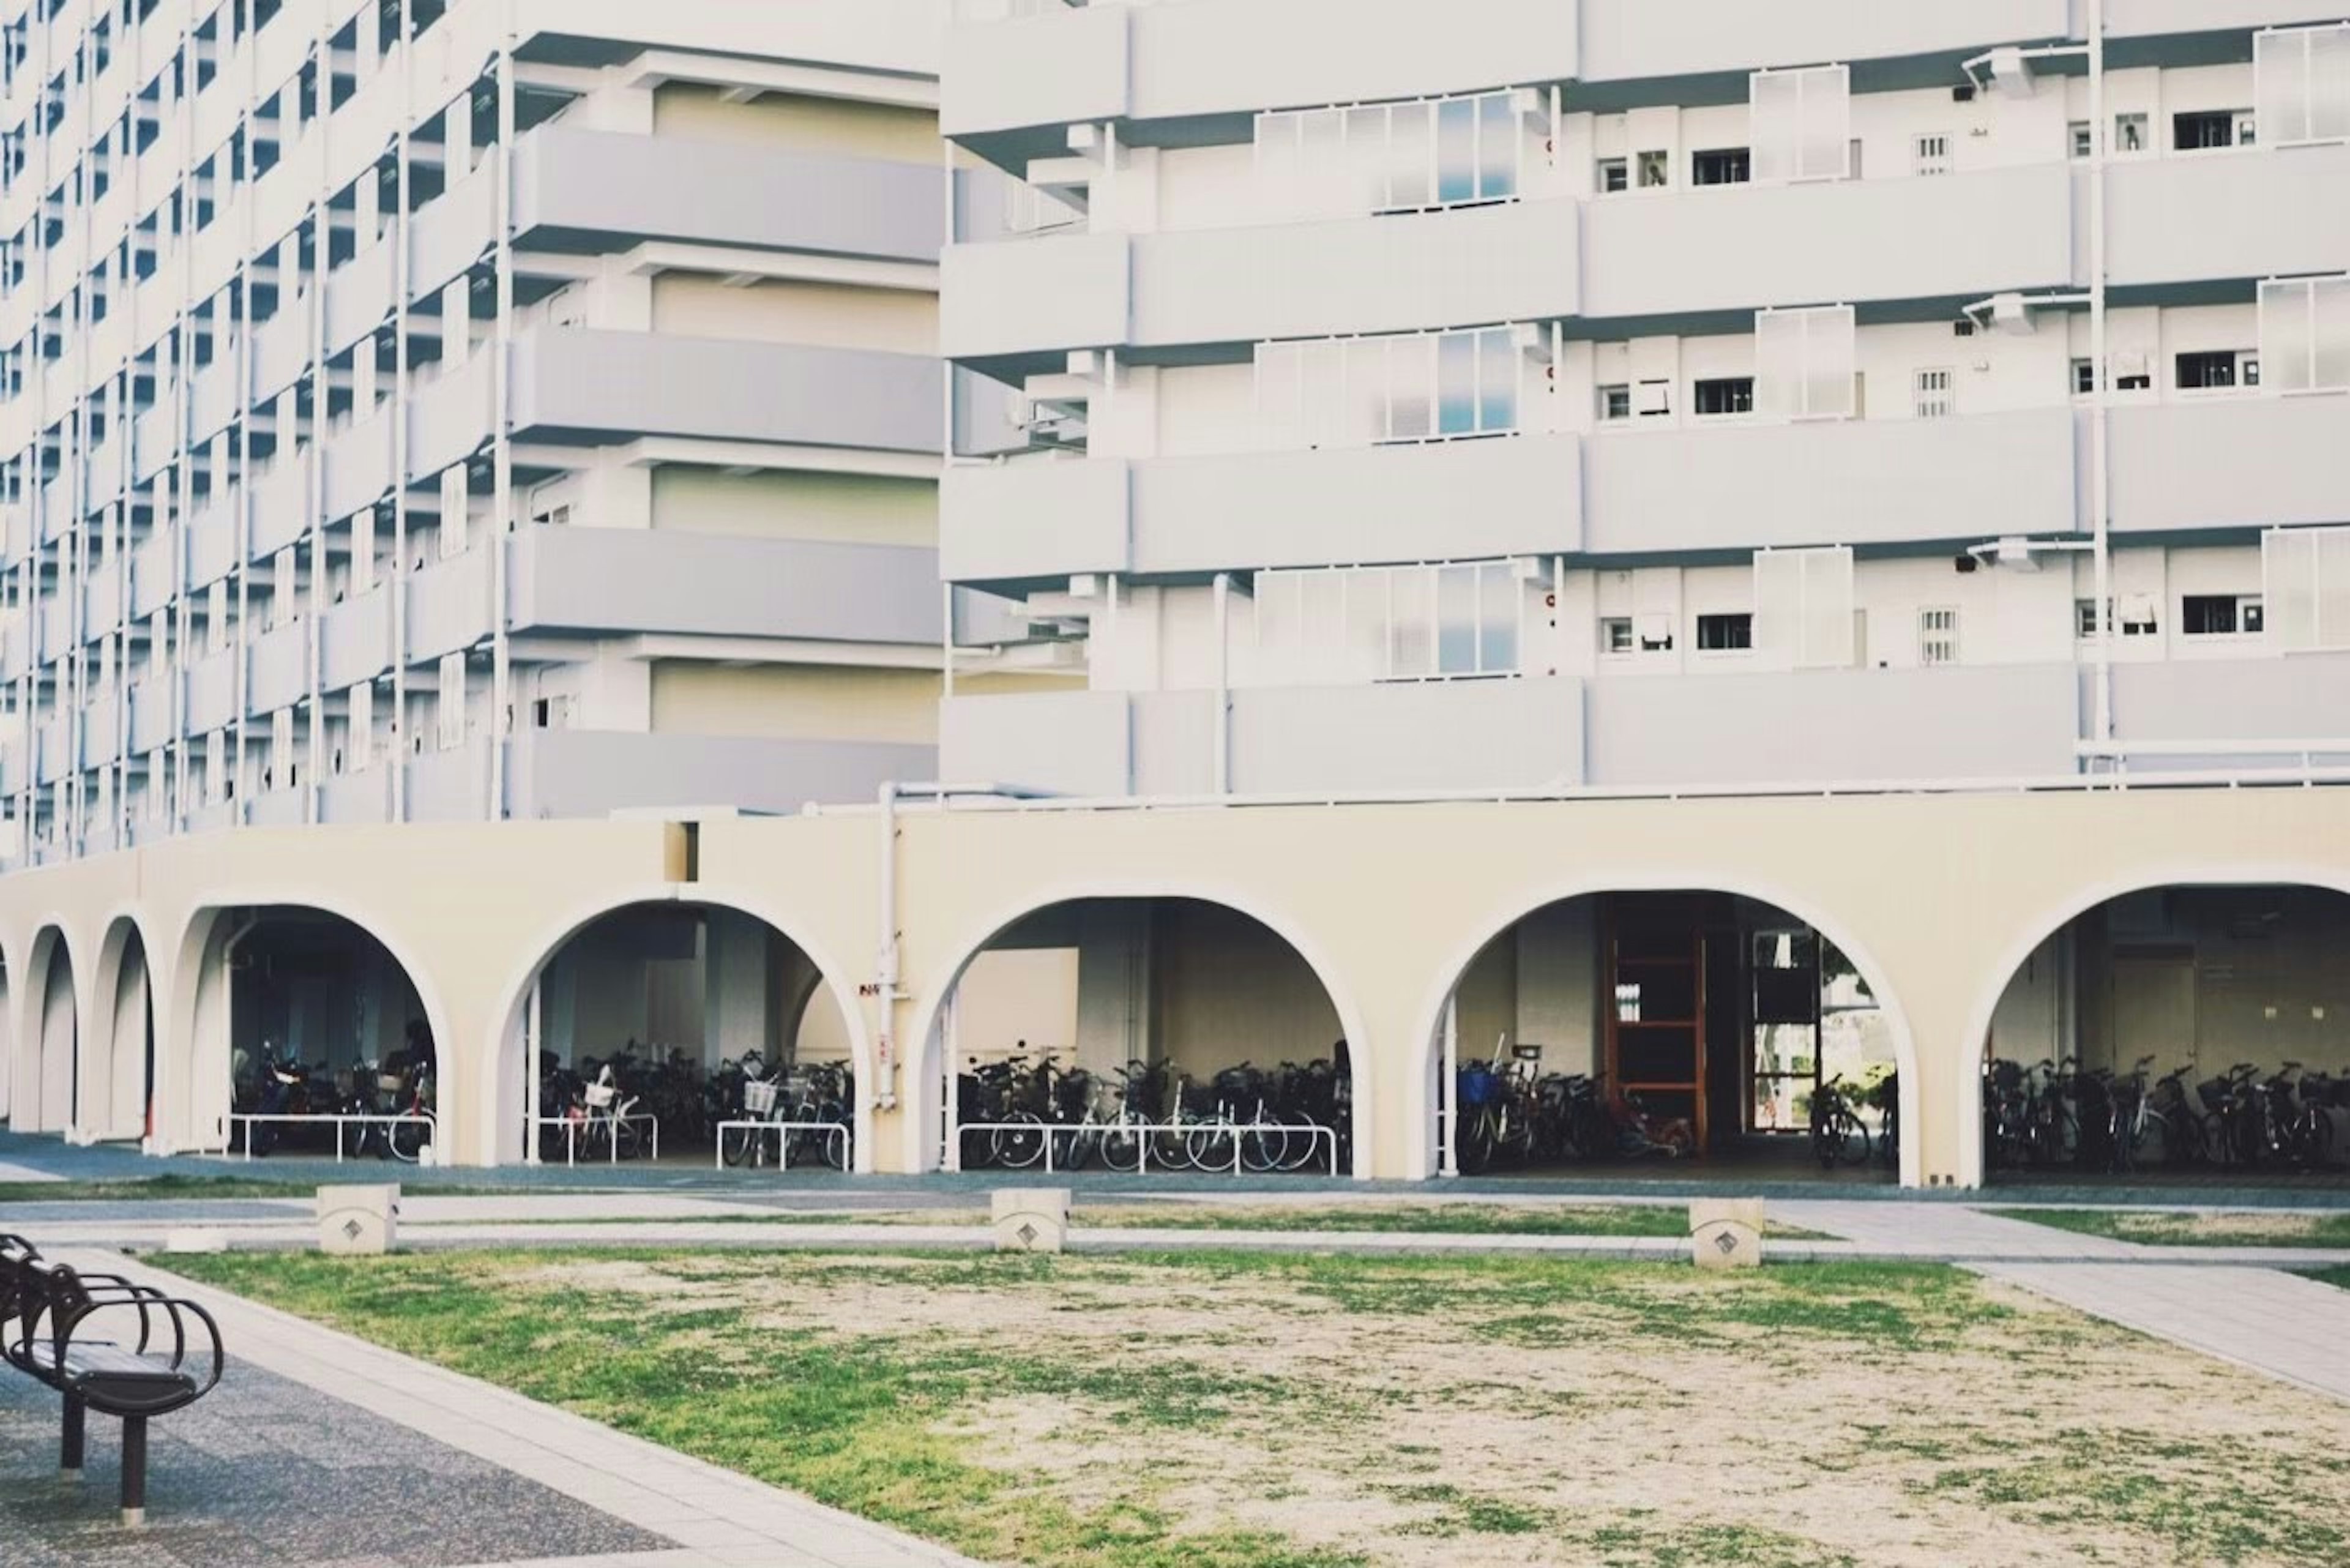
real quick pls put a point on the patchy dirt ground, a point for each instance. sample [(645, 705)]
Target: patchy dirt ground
[(1419, 1413)]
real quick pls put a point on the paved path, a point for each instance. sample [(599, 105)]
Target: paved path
[(2292, 1329), (704, 1516)]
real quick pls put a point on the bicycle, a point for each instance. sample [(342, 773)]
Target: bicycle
[(1837, 1136)]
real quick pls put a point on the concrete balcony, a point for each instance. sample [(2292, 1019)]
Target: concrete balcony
[(2230, 461), (605, 190), (448, 606), (1035, 521), (210, 691), (2164, 19), (1630, 39), (451, 785), (1509, 263), (356, 799), (622, 580), (2294, 697), (593, 772), (2265, 211), (1831, 726), (1740, 247), (355, 641), (1402, 736), (592, 386), (1852, 481), (278, 674)]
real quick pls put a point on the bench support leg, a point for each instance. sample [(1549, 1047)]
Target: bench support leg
[(134, 1472), (69, 1449)]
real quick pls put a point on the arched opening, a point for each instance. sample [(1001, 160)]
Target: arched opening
[(2176, 1035), (56, 1030), (1178, 1015), (121, 1085), (1701, 1032), (308, 1035), (651, 1026)]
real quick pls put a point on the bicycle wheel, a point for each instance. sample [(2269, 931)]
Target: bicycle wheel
[(1213, 1143), (1172, 1151), (1263, 1149), (1121, 1146), (1852, 1139), (405, 1140), (835, 1148), (1305, 1148), (1475, 1133), (734, 1144), (1020, 1145)]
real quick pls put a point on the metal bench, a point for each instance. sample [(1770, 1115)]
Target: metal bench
[(47, 1311)]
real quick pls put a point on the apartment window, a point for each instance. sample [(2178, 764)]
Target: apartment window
[(1354, 625), (2305, 333), (1803, 123), (1931, 397), (2085, 378), (1938, 636), (1655, 170), (1653, 400), (2302, 83), (1804, 363), (2130, 133), (1371, 392), (2131, 372), (1725, 633), (1931, 154), (2221, 614), (2213, 371), (2083, 138), (1615, 404), (1725, 395), (2137, 613), (2203, 129), (1722, 166), (1615, 634), (1402, 157), (1615, 174), (2306, 575)]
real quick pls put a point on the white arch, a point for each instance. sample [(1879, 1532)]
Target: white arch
[(924, 1100), (106, 1062), (2053, 918), (500, 1077), (176, 1039), (1420, 1148), (41, 1086)]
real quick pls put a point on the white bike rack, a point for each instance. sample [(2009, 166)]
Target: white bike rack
[(1143, 1133), (250, 1119), (831, 1130)]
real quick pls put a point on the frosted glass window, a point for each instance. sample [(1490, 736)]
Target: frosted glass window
[(2305, 590), (1804, 606), (1497, 139), (1456, 379), (2303, 84), (1497, 382), (1412, 627), (1367, 625), (1801, 123), (1411, 149), (2305, 334), (1497, 620), (1456, 150), (1367, 390), (1456, 620), (1805, 362)]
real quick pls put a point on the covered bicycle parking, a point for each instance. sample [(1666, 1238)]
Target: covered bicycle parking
[(1680, 1034), (2176, 1035), (1141, 1034), (682, 1031)]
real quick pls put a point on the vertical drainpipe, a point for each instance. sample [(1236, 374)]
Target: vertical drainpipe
[(1222, 738), (322, 224), (502, 729), (2100, 415), (241, 520), (947, 229), (403, 281)]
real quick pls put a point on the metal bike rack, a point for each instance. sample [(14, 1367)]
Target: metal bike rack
[(783, 1144), (321, 1119), (574, 1126), (1143, 1132)]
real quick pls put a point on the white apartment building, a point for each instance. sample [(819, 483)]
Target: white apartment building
[(443, 411), (1549, 393)]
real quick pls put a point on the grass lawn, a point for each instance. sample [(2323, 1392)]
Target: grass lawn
[(152, 1187), (2156, 1228), (2340, 1277), (1229, 1410)]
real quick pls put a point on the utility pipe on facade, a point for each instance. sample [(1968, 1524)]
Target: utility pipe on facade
[(502, 535), (1222, 738), (2101, 372)]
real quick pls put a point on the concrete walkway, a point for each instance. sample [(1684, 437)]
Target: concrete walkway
[(2279, 1324), (715, 1517)]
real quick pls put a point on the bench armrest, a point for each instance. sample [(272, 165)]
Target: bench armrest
[(144, 1299)]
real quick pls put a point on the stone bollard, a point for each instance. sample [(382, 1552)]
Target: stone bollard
[(359, 1221), (1726, 1232), (1030, 1219)]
